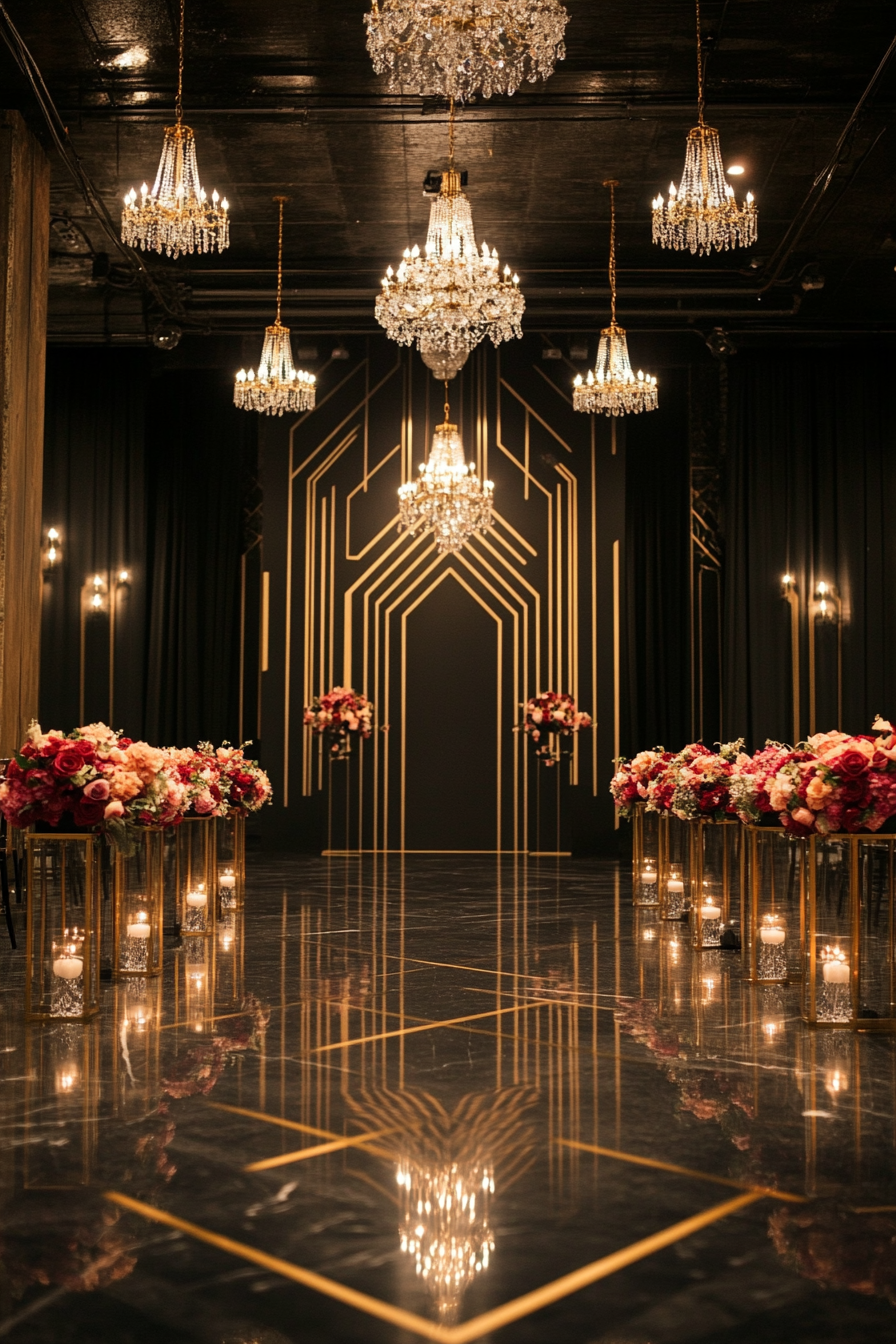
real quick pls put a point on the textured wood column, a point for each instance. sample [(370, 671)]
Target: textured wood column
[(24, 247)]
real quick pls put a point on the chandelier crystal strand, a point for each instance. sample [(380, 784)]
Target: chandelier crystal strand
[(445, 1227), (703, 213), (462, 48), (447, 498), (612, 387), (176, 216), (278, 386), (448, 298)]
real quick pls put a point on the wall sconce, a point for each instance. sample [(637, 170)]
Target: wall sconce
[(96, 591), (51, 554), (828, 604)]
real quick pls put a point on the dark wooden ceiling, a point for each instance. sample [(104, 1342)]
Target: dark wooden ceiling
[(283, 99)]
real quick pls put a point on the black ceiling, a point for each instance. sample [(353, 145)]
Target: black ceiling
[(283, 99)]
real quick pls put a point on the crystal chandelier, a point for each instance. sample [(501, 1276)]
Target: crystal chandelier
[(447, 497), (452, 296), (612, 387), (176, 216), (458, 48), (278, 386), (702, 213), (445, 1227)]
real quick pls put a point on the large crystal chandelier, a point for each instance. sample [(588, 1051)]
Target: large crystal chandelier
[(176, 216), (703, 213), (612, 387), (278, 386), (447, 497), (452, 296), (458, 48), (445, 1228)]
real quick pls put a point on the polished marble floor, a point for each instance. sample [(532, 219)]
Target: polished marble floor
[(444, 1099)]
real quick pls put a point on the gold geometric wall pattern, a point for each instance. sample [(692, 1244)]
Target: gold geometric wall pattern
[(365, 605)]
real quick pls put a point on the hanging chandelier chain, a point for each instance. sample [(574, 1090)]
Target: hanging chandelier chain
[(700, 93), (451, 129), (612, 184), (179, 105), (281, 201), (447, 404)]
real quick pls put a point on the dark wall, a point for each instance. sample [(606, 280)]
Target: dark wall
[(145, 472)]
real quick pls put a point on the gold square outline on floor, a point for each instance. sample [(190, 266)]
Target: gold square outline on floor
[(478, 1326)]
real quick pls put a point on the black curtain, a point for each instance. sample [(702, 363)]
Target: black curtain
[(145, 473), (198, 450), (656, 654), (811, 480)]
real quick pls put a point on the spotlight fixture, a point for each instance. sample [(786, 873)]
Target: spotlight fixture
[(176, 216), (719, 343), (811, 277), (702, 213), (167, 336), (612, 387)]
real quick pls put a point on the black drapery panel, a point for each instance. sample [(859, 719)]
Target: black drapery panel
[(94, 496), (811, 477), (198, 449), (656, 655)]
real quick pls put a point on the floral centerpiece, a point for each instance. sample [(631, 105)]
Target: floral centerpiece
[(548, 718), (696, 784), (247, 786), (340, 715), (839, 783), (633, 777), (752, 780)]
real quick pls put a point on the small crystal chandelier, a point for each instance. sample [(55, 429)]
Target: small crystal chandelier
[(278, 386), (176, 216), (612, 387), (702, 213), (450, 298), (447, 497), (458, 48), (445, 1227)]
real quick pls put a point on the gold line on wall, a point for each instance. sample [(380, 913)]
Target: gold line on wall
[(617, 689), (265, 618), (594, 608)]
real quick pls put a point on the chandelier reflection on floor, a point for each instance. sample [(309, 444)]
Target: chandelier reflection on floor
[(176, 216), (612, 387), (444, 1227), (702, 213), (447, 497), (458, 48), (278, 386), (450, 297)]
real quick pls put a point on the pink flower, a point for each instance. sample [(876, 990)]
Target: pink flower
[(97, 790), (203, 803), (114, 809), (803, 816)]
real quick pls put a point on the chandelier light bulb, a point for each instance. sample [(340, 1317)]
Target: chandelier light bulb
[(612, 388), (452, 296), (462, 48), (278, 386), (702, 214), (176, 216), (447, 498)]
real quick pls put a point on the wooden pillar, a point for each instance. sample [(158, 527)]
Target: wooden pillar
[(24, 249)]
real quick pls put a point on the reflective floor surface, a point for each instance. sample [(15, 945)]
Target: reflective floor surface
[(444, 1099)]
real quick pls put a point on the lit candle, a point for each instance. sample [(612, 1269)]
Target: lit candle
[(68, 967), (836, 972), (648, 877), (771, 935), (140, 927), (197, 899), (676, 884), (709, 911), (227, 878)]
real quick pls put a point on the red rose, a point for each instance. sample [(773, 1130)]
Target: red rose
[(85, 748), (88, 811), (852, 818), (125, 742), (53, 745), (853, 791), (68, 762), (850, 763)]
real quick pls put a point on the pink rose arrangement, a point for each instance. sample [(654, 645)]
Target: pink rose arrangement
[(105, 781), (549, 717), (633, 777), (340, 715), (696, 784), (752, 780), (842, 783)]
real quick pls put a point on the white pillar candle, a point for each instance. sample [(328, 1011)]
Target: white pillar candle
[(197, 899), (138, 930), (675, 884), (648, 878), (836, 972), (227, 880), (771, 936), (68, 967), (711, 912)]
